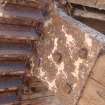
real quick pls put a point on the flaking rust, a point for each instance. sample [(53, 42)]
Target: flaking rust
[(54, 60), (40, 4), (67, 53), (21, 25)]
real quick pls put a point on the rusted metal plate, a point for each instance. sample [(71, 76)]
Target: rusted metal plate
[(20, 27), (67, 54), (12, 99), (50, 100), (14, 14), (8, 98), (9, 68), (10, 84), (17, 32), (41, 4), (15, 50)]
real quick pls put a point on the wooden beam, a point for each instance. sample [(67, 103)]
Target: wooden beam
[(89, 14)]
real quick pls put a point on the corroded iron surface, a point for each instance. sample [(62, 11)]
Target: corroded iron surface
[(32, 3), (67, 54), (21, 24), (45, 56)]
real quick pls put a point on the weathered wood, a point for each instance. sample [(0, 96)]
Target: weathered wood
[(99, 70), (94, 23), (94, 94), (100, 4), (89, 14)]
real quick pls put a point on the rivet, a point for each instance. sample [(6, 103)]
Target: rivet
[(83, 53), (57, 57)]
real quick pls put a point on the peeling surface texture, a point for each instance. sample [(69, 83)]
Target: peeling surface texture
[(31, 3), (67, 53), (84, 28), (63, 52), (100, 4)]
